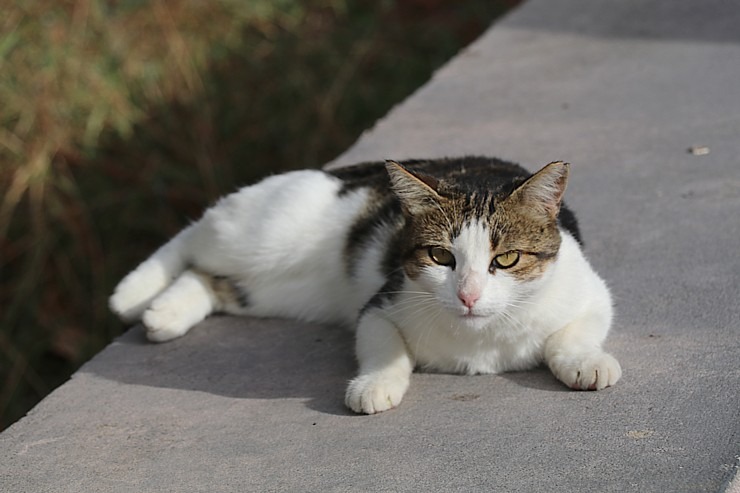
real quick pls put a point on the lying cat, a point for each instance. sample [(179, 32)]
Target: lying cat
[(464, 265)]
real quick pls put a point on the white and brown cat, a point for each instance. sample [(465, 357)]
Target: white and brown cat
[(466, 265)]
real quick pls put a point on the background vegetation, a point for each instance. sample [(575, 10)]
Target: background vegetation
[(120, 120)]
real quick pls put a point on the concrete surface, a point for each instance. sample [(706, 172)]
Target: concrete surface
[(619, 89)]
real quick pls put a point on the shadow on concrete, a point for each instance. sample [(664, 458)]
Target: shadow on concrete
[(539, 379), (241, 358), (249, 358)]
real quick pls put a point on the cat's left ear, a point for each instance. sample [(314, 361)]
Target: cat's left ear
[(417, 192), (544, 190)]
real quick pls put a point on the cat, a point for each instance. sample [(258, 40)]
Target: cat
[(465, 265)]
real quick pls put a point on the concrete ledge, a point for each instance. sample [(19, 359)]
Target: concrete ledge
[(619, 89)]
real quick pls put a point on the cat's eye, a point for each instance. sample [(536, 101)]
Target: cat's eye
[(506, 260), (442, 256)]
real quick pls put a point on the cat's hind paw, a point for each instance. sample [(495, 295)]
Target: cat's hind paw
[(163, 323), (589, 372), (375, 392), (130, 299), (185, 303)]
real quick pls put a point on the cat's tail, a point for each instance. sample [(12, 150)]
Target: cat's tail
[(135, 292)]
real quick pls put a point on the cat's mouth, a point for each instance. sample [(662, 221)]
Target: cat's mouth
[(471, 315)]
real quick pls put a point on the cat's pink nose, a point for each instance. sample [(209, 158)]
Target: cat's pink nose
[(468, 299)]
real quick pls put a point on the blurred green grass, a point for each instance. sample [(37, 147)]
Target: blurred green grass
[(120, 120)]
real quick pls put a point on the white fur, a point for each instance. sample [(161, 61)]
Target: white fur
[(561, 319), (513, 320), (283, 242)]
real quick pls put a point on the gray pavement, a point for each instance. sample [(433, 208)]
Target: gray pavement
[(621, 89)]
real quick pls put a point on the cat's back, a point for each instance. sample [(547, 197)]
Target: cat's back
[(298, 215), (303, 198), (465, 172), (285, 221)]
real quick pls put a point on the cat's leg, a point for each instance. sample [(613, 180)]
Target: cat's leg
[(183, 304), (575, 357), (385, 366), (136, 291)]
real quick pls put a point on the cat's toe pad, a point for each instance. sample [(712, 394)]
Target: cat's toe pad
[(592, 372), (374, 393)]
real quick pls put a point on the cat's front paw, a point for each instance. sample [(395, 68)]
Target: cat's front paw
[(375, 392), (587, 372)]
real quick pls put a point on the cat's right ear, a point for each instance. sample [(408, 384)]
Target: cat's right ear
[(417, 192)]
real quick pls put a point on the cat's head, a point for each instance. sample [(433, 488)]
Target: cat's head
[(481, 253)]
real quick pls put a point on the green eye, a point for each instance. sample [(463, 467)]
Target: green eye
[(506, 260), (442, 256)]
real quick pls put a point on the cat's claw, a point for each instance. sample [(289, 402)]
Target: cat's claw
[(374, 393), (593, 372)]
